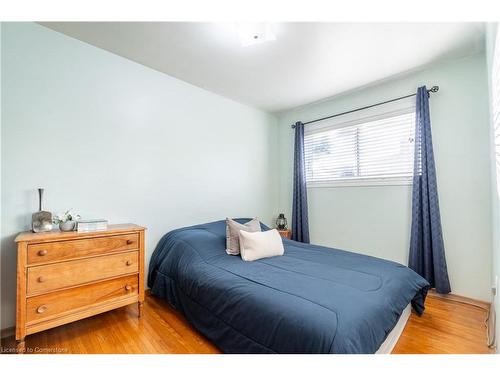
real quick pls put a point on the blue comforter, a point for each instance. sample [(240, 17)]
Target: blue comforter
[(312, 299)]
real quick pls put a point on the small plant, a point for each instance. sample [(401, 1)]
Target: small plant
[(67, 216)]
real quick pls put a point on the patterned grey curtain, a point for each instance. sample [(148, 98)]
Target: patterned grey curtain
[(300, 223), (427, 256)]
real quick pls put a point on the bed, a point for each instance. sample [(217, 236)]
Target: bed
[(313, 299)]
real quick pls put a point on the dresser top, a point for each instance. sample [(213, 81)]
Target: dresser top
[(56, 234)]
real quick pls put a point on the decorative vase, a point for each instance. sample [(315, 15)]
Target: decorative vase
[(67, 226)]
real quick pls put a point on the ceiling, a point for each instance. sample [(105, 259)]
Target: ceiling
[(305, 63)]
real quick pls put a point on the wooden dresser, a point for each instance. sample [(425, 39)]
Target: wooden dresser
[(67, 276)]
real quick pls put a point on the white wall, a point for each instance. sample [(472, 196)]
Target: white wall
[(491, 33), (111, 138), (376, 220)]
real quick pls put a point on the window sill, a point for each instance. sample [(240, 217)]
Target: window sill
[(403, 181)]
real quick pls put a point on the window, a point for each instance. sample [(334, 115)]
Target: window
[(369, 151)]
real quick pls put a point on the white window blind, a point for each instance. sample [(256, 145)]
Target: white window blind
[(377, 150)]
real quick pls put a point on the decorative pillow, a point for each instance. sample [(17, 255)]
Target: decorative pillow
[(233, 229), (260, 245)]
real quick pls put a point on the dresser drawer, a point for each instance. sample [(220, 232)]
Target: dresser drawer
[(49, 277), (65, 250), (56, 304)]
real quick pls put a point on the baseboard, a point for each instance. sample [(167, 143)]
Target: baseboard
[(7, 332), (460, 299)]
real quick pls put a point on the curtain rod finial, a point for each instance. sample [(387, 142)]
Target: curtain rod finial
[(434, 89)]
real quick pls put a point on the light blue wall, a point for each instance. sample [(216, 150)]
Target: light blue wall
[(1, 117), (114, 139), (491, 30), (376, 220)]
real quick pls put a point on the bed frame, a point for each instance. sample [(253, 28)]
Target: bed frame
[(393, 337)]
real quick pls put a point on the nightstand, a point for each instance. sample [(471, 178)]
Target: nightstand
[(285, 233), (68, 276)]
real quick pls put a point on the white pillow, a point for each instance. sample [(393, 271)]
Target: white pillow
[(232, 230), (258, 245)]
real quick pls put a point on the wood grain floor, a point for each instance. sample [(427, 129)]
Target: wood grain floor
[(445, 327)]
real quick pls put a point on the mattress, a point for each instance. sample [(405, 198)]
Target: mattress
[(313, 299)]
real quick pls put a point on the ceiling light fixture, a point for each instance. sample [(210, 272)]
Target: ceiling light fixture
[(255, 33)]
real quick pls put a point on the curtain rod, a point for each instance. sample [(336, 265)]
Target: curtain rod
[(432, 89)]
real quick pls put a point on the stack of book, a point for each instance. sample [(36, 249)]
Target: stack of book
[(92, 225)]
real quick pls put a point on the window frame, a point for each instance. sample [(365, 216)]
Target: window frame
[(334, 124)]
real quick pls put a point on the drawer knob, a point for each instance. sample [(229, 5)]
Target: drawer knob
[(130, 242), (41, 309), (42, 253), (42, 279), (128, 288), (128, 263)]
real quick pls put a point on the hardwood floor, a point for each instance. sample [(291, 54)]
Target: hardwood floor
[(160, 330), (445, 327)]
